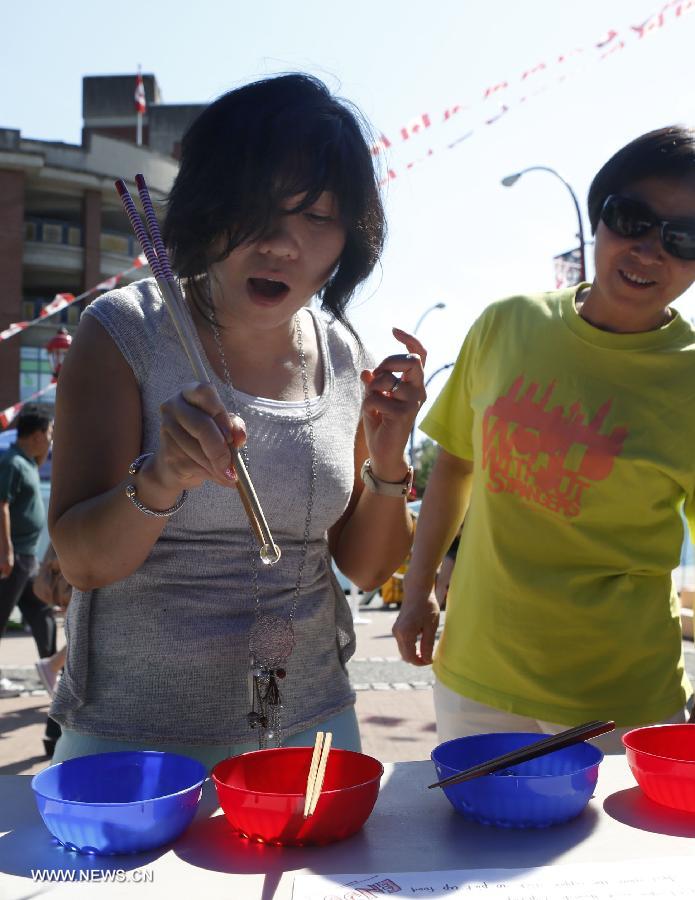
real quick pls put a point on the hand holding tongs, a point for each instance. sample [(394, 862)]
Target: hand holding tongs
[(158, 259)]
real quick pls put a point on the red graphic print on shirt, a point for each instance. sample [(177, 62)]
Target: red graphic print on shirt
[(545, 454)]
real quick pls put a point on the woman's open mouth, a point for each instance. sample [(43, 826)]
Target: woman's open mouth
[(267, 289)]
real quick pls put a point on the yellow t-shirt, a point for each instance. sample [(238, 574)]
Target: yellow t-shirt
[(561, 605)]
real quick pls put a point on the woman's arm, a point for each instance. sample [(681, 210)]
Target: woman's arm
[(98, 533), (375, 533), (443, 509), (6, 546)]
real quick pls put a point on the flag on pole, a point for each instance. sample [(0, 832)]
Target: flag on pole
[(140, 99)]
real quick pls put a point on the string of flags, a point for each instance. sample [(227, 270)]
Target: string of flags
[(8, 415), (61, 301), (501, 97), (480, 113)]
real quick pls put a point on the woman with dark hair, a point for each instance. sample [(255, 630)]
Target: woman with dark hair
[(178, 636), (566, 434)]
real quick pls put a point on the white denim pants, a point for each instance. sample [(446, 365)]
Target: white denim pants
[(458, 716)]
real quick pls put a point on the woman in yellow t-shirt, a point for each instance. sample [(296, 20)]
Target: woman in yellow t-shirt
[(565, 433)]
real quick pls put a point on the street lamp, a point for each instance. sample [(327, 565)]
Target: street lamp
[(57, 348), (426, 313), (412, 430), (509, 180), (422, 318)]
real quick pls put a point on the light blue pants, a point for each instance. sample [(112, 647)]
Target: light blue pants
[(344, 727)]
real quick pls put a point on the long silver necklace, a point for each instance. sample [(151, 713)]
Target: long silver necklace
[(271, 639)]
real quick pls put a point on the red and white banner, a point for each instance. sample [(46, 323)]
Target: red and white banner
[(568, 268), (8, 415), (61, 301), (499, 98)]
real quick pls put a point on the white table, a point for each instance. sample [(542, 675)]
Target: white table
[(411, 829)]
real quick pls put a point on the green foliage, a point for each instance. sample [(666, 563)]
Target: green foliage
[(425, 455)]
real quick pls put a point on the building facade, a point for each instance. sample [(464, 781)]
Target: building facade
[(62, 226)]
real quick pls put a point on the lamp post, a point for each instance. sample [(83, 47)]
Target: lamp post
[(426, 313), (412, 430), (440, 305), (57, 348), (509, 180)]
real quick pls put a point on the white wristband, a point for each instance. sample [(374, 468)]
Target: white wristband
[(387, 488)]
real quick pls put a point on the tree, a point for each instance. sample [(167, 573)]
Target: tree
[(425, 455)]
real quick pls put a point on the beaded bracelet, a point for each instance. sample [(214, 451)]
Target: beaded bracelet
[(131, 492)]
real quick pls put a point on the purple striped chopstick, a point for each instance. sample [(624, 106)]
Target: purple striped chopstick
[(168, 287), (153, 226), (138, 228), (158, 260)]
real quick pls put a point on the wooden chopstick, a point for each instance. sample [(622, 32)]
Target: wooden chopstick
[(320, 775), (529, 751), (317, 771), (313, 769)]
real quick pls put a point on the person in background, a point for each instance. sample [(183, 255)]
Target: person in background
[(178, 636), (443, 577), (22, 519), (566, 433), (53, 590)]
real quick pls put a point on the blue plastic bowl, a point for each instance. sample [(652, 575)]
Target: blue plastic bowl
[(126, 802), (541, 792)]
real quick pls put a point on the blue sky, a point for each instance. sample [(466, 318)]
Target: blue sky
[(456, 235)]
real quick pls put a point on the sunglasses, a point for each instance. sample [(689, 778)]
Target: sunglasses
[(631, 219)]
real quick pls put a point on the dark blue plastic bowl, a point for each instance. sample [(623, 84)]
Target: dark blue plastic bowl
[(544, 791), (125, 802)]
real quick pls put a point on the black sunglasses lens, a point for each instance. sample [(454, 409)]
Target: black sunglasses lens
[(630, 218), (625, 217), (679, 241)]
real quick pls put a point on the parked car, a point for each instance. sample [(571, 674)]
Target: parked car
[(343, 580)]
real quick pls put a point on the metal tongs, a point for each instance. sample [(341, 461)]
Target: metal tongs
[(158, 260)]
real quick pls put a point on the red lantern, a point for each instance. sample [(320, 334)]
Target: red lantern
[(57, 348)]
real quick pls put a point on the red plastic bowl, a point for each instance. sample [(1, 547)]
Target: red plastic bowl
[(262, 795), (662, 759)]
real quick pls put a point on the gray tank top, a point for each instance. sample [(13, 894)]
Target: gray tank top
[(163, 654)]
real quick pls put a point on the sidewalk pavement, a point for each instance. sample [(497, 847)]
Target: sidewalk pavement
[(396, 716)]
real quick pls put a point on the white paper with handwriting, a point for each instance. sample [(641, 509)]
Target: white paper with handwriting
[(659, 879)]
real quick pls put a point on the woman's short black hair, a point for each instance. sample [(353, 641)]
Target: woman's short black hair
[(253, 148), (667, 152)]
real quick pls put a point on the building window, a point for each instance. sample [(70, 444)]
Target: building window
[(74, 236), (52, 233), (115, 243), (35, 371)]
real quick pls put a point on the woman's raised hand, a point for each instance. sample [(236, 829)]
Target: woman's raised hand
[(395, 391), (197, 435)]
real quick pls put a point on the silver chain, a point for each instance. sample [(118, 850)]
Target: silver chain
[(244, 453)]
